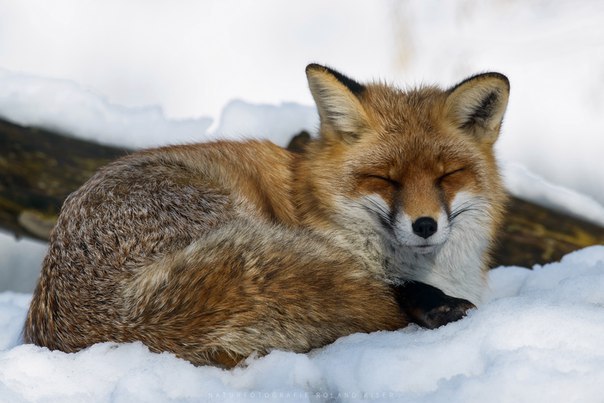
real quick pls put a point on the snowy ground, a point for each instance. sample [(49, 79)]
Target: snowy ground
[(538, 338)]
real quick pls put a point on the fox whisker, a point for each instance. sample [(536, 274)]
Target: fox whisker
[(383, 215)]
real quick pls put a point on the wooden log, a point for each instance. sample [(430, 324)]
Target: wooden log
[(39, 168), (532, 234)]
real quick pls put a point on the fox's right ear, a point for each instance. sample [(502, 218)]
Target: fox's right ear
[(336, 96), (477, 105)]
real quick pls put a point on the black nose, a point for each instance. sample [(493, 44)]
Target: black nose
[(425, 227)]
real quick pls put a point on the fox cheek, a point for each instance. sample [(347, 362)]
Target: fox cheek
[(451, 187)]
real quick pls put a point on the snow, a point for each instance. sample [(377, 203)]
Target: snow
[(521, 182), (65, 107), (538, 337), (278, 123)]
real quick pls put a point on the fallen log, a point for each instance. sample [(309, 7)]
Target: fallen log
[(39, 168)]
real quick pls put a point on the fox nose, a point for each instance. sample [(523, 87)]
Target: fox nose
[(425, 227)]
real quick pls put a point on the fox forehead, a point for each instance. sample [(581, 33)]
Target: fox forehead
[(392, 110), (409, 129), (413, 153)]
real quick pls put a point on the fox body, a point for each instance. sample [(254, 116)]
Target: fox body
[(219, 250)]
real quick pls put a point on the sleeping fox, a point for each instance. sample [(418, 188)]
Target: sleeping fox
[(218, 250)]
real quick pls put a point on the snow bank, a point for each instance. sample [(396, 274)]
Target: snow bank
[(240, 119), (537, 338), (66, 107), (521, 182)]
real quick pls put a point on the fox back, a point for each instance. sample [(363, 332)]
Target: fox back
[(215, 251)]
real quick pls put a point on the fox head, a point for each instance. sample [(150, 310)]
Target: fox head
[(415, 166)]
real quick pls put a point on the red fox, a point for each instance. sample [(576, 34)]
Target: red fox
[(220, 250)]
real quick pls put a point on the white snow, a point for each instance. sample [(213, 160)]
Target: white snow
[(68, 108), (521, 182), (65, 107), (537, 338), (278, 123)]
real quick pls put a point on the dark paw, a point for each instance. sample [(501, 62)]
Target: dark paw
[(450, 311), (428, 306)]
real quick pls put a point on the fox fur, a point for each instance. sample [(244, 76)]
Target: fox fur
[(216, 251)]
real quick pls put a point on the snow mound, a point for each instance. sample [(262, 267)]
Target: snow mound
[(65, 107), (279, 123), (521, 182), (538, 337)]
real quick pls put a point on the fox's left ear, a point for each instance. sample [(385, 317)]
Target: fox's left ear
[(337, 98), (477, 104)]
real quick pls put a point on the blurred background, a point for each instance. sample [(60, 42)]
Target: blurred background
[(192, 63)]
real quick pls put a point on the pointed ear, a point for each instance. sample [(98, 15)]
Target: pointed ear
[(337, 100), (477, 105)]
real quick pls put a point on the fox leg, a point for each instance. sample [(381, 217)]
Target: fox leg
[(428, 306)]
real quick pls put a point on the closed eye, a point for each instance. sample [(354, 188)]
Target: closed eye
[(450, 173), (385, 179)]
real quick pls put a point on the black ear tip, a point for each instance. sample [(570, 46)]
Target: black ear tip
[(352, 85), (498, 76), (314, 67), (485, 76)]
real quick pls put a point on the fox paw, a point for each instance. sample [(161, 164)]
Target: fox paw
[(450, 311), (428, 306)]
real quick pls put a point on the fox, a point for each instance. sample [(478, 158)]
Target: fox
[(222, 250)]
